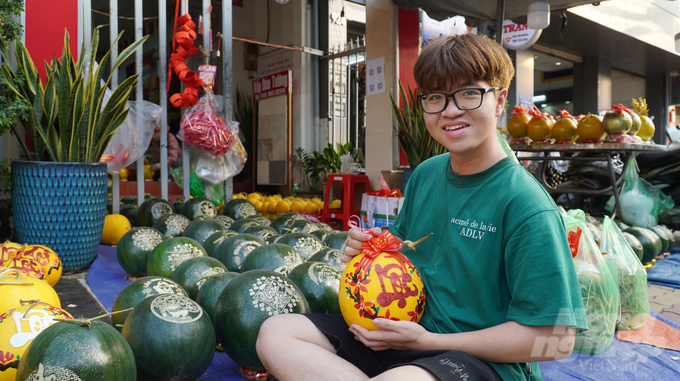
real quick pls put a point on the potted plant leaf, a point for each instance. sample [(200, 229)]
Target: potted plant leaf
[(59, 193), (414, 139)]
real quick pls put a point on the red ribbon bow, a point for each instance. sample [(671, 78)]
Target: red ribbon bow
[(385, 242)]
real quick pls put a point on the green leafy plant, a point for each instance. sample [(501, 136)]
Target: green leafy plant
[(414, 139), (65, 118), (331, 156), (9, 31), (311, 164), (5, 176), (316, 164), (244, 114)]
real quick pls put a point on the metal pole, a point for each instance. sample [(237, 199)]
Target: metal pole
[(163, 95), (139, 94), (499, 21), (227, 74), (206, 46), (113, 33)]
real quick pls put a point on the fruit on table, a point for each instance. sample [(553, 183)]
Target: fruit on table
[(137, 291), (565, 129), (8, 249), (330, 256), (210, 291), (18, 328), (634, 244), (517, 124), (304, 226), (245, 303), (135, 247), (101, 353), (192, 273), (172, 225), (27, 267), (260, 231), (539, 128), (169, 254), (115, 225), (47, 258), (172, 338), (243, 223), (198, 206), (304, 243), (224, 220), (14, 288), (664, 236), (617, 121), (590, 129), (651, 243), (636, 122), (275, 257), (646, 131), (335, 204), (239, 208), (285, 221), (233, 250), (153, 209), (336, 240), (200, 230), (319, 283)]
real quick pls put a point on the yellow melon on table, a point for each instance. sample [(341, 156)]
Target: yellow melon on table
[(47, 258), (312, 208), (385, 286), (15, 287), (27, 267), (18, 328), (8, 250), (297, 206), (283, 206), (115, 226)]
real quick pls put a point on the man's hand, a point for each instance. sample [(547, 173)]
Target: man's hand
[(402, 335), (353, 242)]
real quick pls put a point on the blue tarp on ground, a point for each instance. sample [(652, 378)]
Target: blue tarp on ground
[(666, 271), (621, 361)]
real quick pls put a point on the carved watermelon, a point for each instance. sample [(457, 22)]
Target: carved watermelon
[(214, 240), (284, 223), (276, 257), (243, 223), (245, 303), (226, 221), (190, 274), (319, 283), (304, 243), (336, 240), (200, 230), (137, 291), (198, 206), (172, 338), (234, 250), (135, 247), (239, 208), (260, 231), (171, 225), (153, 209), (210, 291), (330, 256), (171, 253)]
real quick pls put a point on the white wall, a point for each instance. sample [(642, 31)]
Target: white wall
[(626, 86)]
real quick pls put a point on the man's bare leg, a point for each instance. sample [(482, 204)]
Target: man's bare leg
[(291, 347), (406, 373)]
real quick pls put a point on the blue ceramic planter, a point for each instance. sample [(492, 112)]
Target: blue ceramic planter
[(61, 206)]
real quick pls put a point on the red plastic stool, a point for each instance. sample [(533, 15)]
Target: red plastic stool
[(352, 188)]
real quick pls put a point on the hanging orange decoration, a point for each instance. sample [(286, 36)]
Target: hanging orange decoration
[(183, 45)]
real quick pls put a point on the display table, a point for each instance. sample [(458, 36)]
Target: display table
[(597, 152)]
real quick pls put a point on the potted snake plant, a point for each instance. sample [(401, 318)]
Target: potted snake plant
[(59, 193)]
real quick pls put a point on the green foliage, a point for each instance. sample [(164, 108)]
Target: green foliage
[(311, 164), (9, 28), (65, 118), (5, 176), (414, 139), (326, 162), (244, 114)]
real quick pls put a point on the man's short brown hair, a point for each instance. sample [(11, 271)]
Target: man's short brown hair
[(453, 60)]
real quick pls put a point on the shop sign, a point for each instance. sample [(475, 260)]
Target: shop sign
[(519, 36), (273, 85)]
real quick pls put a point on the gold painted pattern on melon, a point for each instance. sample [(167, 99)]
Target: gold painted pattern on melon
[(273, 295), (176, 309), (146, 239)]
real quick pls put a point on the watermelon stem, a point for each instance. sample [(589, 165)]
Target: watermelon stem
[(88, 322), (412, 245), (7, 271), (205, 277), (18, 283)]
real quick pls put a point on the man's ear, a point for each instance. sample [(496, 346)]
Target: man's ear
[(500, 105)]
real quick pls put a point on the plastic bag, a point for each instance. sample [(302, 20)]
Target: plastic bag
[(632, 278), (130, 142), (215, 171), (599, 289), (206, 129), (641, 202), (197, 186)]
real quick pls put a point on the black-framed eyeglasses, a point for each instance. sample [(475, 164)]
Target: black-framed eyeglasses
[(465, 99)]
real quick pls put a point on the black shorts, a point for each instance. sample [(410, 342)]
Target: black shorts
[(446, 365)]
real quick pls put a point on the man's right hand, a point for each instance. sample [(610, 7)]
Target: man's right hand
[(353, 242)]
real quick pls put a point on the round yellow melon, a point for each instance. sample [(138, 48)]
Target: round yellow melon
[(47, 258), (115, 226), (385, 286), (8, 250), (27, 267), (18, 328), (14, 288)]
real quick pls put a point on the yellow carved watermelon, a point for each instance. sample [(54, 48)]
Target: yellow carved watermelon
[(47, 258)]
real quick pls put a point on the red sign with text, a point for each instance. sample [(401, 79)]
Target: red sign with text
[(273, 85)]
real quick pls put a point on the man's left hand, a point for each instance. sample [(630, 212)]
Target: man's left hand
[(392, 334)]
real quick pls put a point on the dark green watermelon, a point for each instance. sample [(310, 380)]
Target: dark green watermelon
[(304, 226), (152, 209), (320, 284), (239, 208), (172, 225), (651, 243), (210, 291), (243, 223), (671, 236), (336, 240), (214, 240), (285, 222), (273, 238), (130, 211), (199, 230), (233, 250), (191, 272), (304, 243), (224, 220), (198, 206), (135, 247), (171, 253), (245, 303), (172, 338), (136, 291), (70, 351), (635, 245), (325, 227), (330, 256), (664, 236), (177, 205), (260, 231), (320, 234), (262, 220), (276, 257)]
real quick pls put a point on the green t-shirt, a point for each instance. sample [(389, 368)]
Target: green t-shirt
[(498, 252)]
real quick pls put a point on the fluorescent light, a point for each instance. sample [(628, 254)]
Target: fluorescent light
[(538, 98), (558, 63), (535, 57), (567, 102), (544, 105)]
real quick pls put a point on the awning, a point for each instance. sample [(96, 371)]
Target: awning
[(482, 9)]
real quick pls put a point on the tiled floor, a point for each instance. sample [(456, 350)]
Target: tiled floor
[(665, 300)]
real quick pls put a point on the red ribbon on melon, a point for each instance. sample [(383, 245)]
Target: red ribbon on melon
[(185, 36)]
